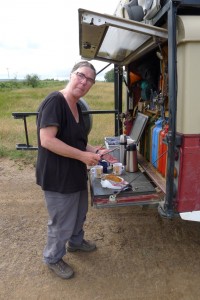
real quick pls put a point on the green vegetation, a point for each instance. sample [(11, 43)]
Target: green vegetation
[(109, 76), (33, 80), (29, 81), (23, 98)]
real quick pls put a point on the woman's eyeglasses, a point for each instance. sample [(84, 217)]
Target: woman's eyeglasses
[(82, 77)]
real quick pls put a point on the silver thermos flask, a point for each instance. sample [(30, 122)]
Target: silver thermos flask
[(131, 162), (122, 147)]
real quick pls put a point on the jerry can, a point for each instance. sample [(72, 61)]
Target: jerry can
[(161, 150), (155, 142), (164, 149), (148, 138)]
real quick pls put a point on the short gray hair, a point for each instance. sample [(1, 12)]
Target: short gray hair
[(83, 63)]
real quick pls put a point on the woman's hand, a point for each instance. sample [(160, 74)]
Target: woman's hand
[(90, 158)]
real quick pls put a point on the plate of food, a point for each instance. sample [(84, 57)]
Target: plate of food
[(112, 181)]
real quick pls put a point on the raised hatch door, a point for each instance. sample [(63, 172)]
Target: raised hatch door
[(116, 40)]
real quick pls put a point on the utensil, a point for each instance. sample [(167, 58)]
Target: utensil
[(109, 151)]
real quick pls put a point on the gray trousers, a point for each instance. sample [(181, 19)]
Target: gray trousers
[(67, 213)]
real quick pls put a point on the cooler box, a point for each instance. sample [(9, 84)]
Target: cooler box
[(112, 143)]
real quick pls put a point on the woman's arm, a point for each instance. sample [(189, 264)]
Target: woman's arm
[(52, 143)]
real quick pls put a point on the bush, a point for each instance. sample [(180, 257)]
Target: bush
[(32, 80), (109, 76)]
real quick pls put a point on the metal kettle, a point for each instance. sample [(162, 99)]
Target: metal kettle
[(130, 158)]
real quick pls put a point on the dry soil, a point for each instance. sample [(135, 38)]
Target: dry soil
[(139, 254)]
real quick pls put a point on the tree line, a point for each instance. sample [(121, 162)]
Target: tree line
[(33, 81)]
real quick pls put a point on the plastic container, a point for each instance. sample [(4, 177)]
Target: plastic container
[(164, 157), (162, 149), (113, 143), (148, 138), (155, 142)]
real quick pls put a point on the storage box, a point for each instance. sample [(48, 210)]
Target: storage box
[(112, 143)]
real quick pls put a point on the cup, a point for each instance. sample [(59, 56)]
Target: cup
[(130, 141), (118, 168), (105, 165), (97, 171)]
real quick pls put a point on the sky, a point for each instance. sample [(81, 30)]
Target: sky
[(42, 36)]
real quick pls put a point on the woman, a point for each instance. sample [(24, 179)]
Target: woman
[(61, 171)]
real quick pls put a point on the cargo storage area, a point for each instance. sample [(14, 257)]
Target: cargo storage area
[(161, 103), (147, 103)]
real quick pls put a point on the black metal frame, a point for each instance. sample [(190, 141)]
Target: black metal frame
[(24, 115), (118, 80), (172, 69)]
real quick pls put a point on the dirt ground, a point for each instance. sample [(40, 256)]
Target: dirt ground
[(139, 255)]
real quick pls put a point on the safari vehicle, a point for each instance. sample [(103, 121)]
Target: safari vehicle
[(154, 46), (157, 45)]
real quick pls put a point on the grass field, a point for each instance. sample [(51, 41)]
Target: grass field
[(100, 97)]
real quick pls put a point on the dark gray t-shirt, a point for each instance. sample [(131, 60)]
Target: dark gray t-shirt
[(54, 172)]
